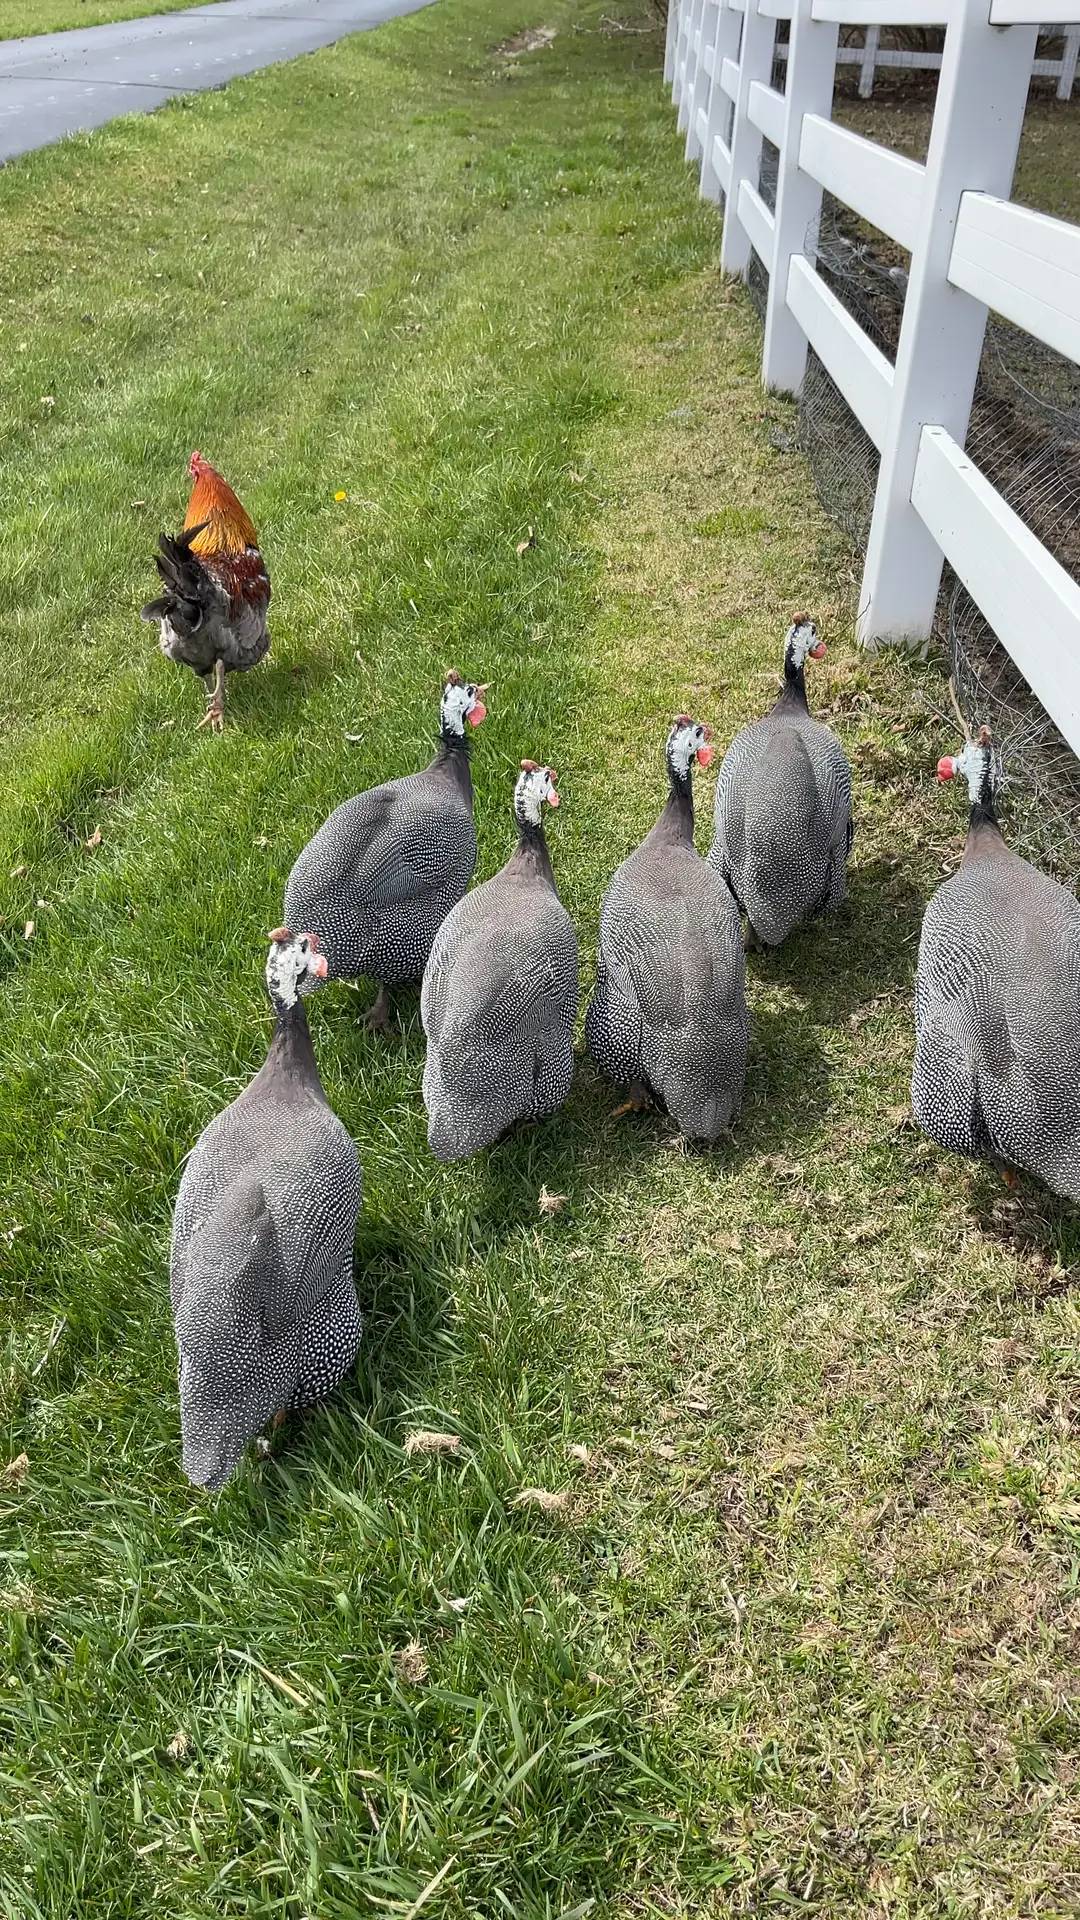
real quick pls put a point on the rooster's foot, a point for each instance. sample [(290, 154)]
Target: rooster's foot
[(214, 717)]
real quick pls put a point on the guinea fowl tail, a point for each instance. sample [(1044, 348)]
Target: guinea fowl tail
[(217, 1422), (187, 599)]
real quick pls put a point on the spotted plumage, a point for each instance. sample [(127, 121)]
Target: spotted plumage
[(263, 1300), (783, 823), (500, 994), (381, 874), (668, 1013), (997, 1003)]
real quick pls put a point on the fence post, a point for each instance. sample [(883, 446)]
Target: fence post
[(978, 118), (1068, 63), (670, 40), (690, 62), (684, 11), (811, 73), (868, 62), (699, 92), (755, 63), (725, 47)]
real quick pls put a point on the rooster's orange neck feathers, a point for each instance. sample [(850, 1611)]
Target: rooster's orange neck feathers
[(228, 529)]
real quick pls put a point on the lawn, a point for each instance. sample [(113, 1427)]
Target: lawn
[(1047, 166), (802, 1635), (21, 17)]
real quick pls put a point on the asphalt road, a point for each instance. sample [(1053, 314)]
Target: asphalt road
[(60, 83)]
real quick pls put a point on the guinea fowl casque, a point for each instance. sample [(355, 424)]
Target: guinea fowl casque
[(997, 1002), (263, 1300), (217, 590), (783, 824), (668, 1015), (381, 874), (500, 994)]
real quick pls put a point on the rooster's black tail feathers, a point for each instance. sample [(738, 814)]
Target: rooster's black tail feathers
[(188, 596)]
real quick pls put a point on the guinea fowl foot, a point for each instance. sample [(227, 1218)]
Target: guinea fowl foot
[(638, 1102), (377, 1018)]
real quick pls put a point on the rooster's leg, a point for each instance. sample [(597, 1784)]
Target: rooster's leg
[(377, 1018), (214, 716)]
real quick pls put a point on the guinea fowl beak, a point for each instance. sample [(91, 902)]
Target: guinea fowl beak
[(946, 768)]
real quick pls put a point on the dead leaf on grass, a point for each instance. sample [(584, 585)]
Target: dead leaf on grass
[(531, 41), (553, 1203), (17, 1471), (541, 1497), (179, 1746), (524, 545), (580, 1454), (28, 930), (1005, 1353), (424, 1442), (410, 1664), (95, 838)]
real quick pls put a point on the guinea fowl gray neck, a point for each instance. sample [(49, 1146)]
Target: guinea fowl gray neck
[(452, 758), (677, 820), (290, 1051), (802, 640), (294, 964), (984, 832), (975, 762), (794, 692), (530, 858)]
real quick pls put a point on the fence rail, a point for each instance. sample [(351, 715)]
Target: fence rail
[(871, 56), (972, 250)]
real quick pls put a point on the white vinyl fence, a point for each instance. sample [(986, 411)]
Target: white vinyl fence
[(872, 55), (971, 249)]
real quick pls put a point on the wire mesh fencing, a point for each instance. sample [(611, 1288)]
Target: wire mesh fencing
[(1024, 435)]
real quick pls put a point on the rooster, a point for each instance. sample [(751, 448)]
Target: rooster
[(217, 589)]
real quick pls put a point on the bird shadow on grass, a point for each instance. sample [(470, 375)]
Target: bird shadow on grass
[(267, 698), (1028, 1221), (846, 961)]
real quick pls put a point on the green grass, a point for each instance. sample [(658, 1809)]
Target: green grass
[(803, 1637), (21, 17), (1048, 163)]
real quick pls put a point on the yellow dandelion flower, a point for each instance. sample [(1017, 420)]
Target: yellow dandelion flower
[(341, 496)]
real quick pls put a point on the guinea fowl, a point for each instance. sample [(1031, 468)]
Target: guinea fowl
[(500, 994), (668, 1014), (783, 825), (382, 873), (217, 590), (997, 1002), (263, 1299)]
